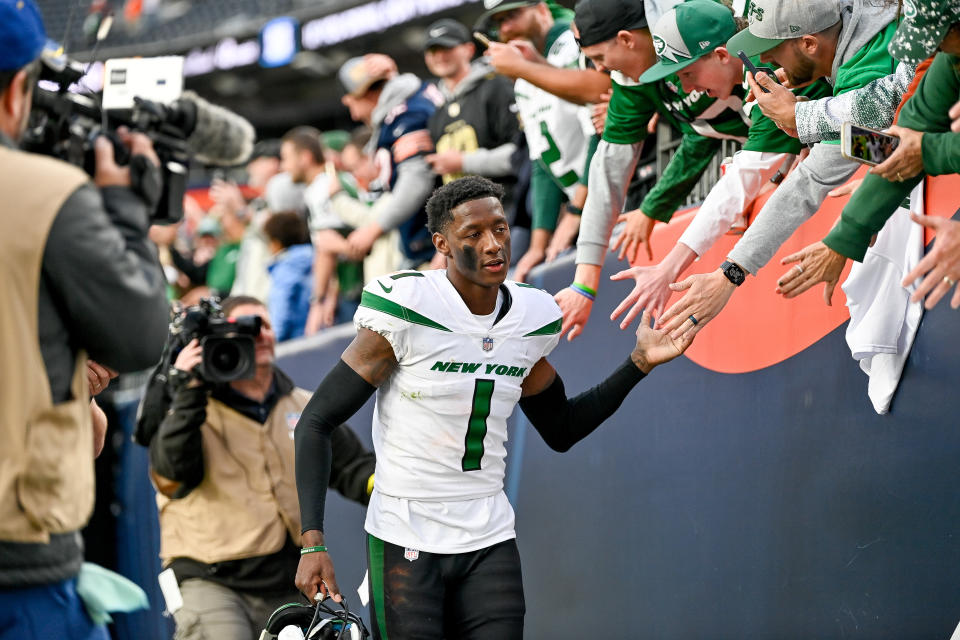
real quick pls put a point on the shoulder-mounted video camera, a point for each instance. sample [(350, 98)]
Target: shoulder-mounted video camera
[(227, 343), (65, 123)]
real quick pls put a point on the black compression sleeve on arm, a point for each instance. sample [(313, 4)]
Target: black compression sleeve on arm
[(340, 395), (562, 421)]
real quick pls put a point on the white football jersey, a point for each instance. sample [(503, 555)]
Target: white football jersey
[(440, 420), (558, 132)]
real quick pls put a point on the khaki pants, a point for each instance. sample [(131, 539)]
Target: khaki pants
[(213, 612)]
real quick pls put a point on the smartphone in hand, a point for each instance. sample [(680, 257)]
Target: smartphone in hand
[(866, 145), (754, 69)]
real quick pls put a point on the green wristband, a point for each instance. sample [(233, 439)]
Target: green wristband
[(316, 549), (584, 288)]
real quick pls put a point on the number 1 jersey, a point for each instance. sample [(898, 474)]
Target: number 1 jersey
[(440, 421)]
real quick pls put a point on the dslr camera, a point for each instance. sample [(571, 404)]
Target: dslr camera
[(228, 343)]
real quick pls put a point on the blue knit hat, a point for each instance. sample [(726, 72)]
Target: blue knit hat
[(22, 36)]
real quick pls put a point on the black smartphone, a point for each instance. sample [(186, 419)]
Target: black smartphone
[(752, 68)]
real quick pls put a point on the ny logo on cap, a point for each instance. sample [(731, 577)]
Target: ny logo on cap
[(659, 45), (665, 50)]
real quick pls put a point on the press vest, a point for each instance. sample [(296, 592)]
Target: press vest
[(247, 503), (46, 459)]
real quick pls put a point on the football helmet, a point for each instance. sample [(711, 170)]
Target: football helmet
[(319, 621)]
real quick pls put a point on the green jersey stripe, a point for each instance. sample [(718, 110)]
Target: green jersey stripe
[(375, 561), (375, 302), (547, 329), (415, 274)]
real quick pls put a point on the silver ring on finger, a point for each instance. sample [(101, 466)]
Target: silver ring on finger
[(799, 268)]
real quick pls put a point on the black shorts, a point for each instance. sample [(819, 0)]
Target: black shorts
[(429, 596)]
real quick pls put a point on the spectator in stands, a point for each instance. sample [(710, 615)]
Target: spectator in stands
[(694, 35), (222, 461), (475, 130), (846, 43), (397, 108), (79, 277), (358, 200), (617, 38), (223, 230), (476, 127), (263, 166), (541, 53), (301, 156), (333, 142), (927, 147), (291, 273)]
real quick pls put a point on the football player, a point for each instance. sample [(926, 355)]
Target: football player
[(449, 355)]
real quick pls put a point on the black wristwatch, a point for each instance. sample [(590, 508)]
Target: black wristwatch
[(734, 272)]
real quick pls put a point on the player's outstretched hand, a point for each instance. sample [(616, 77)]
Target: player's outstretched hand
[(655, 346), (315, 575)]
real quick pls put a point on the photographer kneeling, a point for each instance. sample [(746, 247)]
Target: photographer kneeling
[(78, 278), (222, 461)]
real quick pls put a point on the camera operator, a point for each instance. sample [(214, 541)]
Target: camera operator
[(222, 460), (79, 278)]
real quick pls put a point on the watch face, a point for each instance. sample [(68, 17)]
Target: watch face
[(734, 273)]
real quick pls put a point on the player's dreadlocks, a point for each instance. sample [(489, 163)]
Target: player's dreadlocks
[(454, 193)]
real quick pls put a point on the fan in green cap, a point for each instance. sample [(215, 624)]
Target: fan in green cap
[(687, 32)]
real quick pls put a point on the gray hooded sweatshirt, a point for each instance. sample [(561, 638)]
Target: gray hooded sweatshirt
[(804, 190)]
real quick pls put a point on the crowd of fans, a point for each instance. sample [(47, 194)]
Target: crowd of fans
[(557, 108)]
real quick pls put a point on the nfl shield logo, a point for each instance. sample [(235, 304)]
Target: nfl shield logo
[(487, 343), (410, 554)]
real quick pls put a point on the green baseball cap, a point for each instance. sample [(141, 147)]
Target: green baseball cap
[(774, 21), (923, 28), (686, 33)]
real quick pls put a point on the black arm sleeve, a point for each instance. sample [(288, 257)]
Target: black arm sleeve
[(340, 395), (352, 465), (176, 452), (562, 422)]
